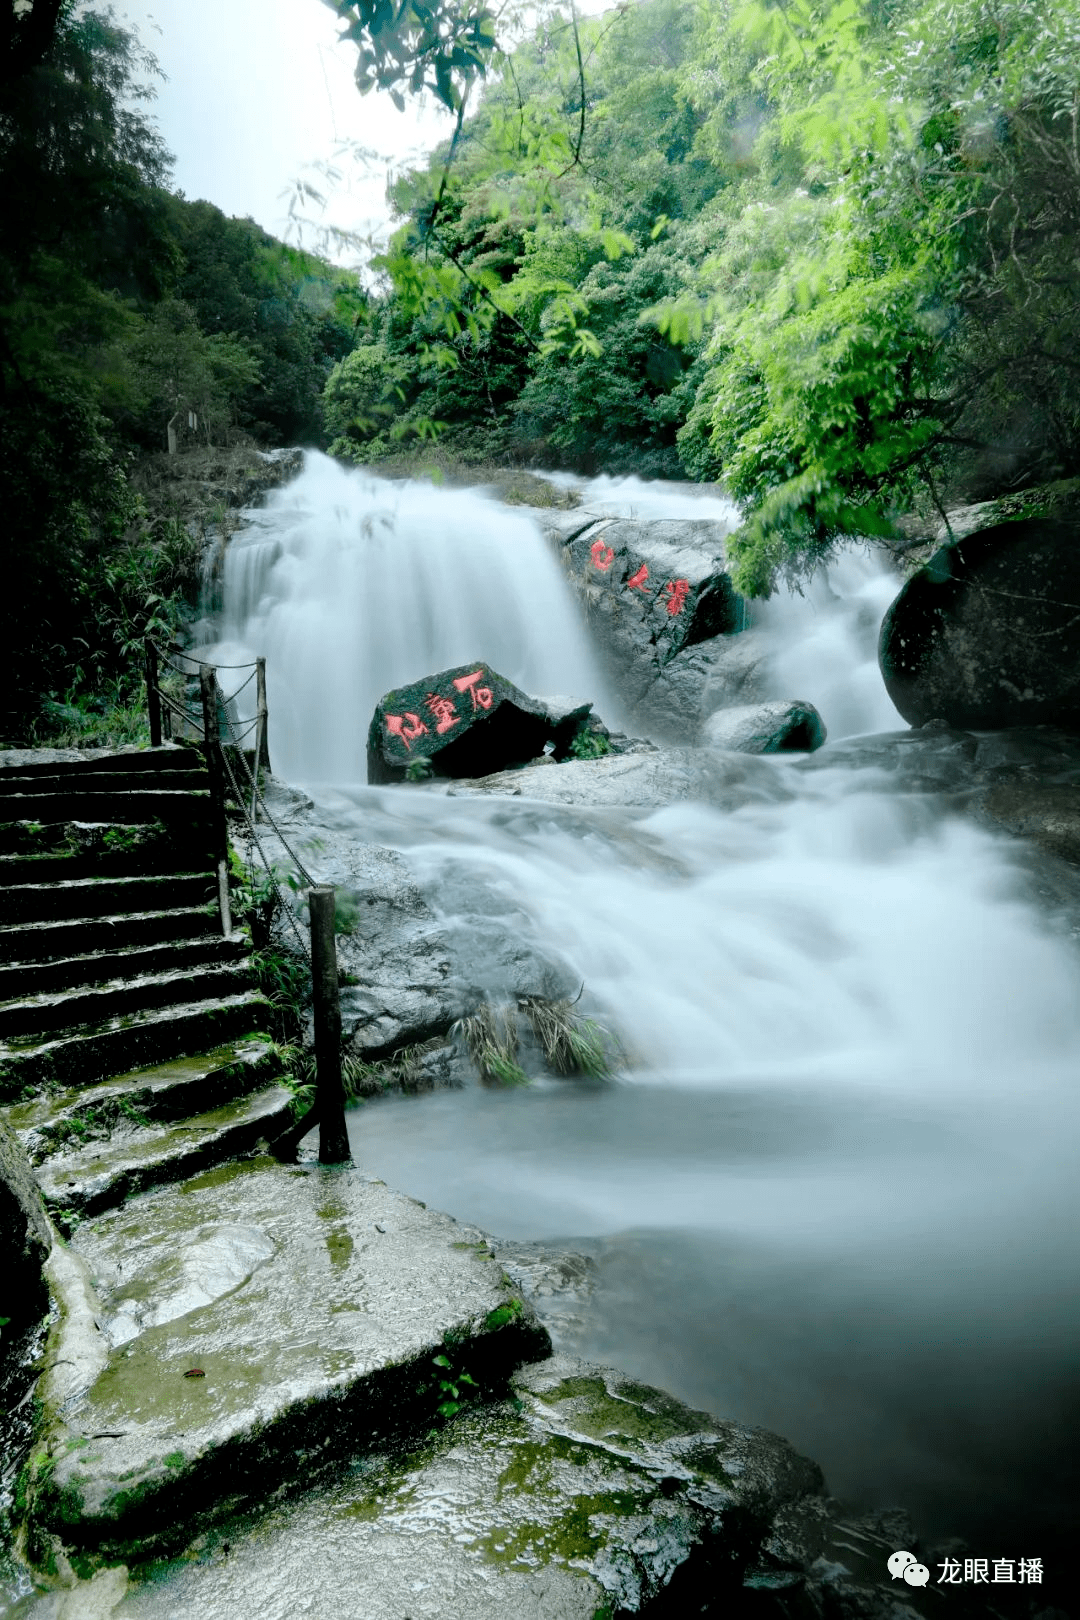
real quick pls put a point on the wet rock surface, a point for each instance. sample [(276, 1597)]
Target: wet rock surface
[(466, 721), (244, 1330), (986, 634), (661, 610), (419, 948), (642, 781), (585, 1494), (766, 728)]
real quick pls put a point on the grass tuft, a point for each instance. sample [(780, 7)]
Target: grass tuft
[(491, 1040), (570, 1043)]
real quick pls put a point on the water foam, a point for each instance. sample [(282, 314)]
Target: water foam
[(351, 585)]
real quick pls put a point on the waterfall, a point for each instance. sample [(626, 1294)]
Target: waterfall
[(833, 1190), (352, 585)]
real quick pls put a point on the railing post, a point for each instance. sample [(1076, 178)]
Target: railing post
[(153, 695), (262, 745), (329, 1091), (220, 833)]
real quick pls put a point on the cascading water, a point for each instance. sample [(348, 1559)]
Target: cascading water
[(833, 1193), (351, 585)]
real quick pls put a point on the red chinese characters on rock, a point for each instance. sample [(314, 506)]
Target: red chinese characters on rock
[(481, 695), (408, 728), (602, 556), (443, 711), (676, 591), (636, 582)]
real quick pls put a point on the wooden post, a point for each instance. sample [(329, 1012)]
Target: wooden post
[(329, 1091), (262, 746), (219, 832), (153, 696)]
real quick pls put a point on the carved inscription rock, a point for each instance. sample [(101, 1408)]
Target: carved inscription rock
[(467, 721)]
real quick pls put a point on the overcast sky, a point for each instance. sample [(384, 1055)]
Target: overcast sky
[(258, 91)]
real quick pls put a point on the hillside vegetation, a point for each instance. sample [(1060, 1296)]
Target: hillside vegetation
[(124, 307), (825, 253)]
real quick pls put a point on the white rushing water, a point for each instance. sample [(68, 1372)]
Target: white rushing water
[(833, 1191), (351, 585)]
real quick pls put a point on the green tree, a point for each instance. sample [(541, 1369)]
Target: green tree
[(875, 327)]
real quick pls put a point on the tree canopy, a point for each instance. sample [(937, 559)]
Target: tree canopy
[(122, 307), (825, 253)]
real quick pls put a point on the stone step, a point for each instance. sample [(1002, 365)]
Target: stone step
[(83, 1057), (582, 1496), (101, 782), (166, 1091), (95, 1005), (38, 978), (324, 1314), (101, 840), (148, 1154), (104, 896), (145, 805), (169, 757), (144, 857), (47, 941)]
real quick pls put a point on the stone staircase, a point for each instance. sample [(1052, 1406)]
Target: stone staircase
[(130, 1044)]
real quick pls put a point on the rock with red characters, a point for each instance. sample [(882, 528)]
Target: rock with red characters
[(467, 721), (665, 578)]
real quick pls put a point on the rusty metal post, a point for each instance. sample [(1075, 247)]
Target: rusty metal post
[(262, 745), (220, 833), (329, 1091), (153, 695)]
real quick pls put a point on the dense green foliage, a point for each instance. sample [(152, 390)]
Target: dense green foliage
[(824, 251), (123, 306)]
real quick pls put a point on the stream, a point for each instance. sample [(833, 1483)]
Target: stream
[(832, 1190)]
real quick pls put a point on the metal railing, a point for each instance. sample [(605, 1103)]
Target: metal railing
[(162, 706), (221, 736)]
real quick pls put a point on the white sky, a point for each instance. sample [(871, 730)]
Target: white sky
[(257, 92)]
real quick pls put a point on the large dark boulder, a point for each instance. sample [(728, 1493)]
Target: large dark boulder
[(987, 635), (466, 721)]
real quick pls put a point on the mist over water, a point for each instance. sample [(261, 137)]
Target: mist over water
[(833, 1190)]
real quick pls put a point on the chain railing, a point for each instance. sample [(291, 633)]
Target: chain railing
[(228, 763)]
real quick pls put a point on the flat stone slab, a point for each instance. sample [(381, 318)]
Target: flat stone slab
[(253, 1324), (647, 781), (585, 1495)]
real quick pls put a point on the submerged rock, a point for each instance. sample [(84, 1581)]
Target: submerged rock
[(987, 635), (466, 721), (766, 728)]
